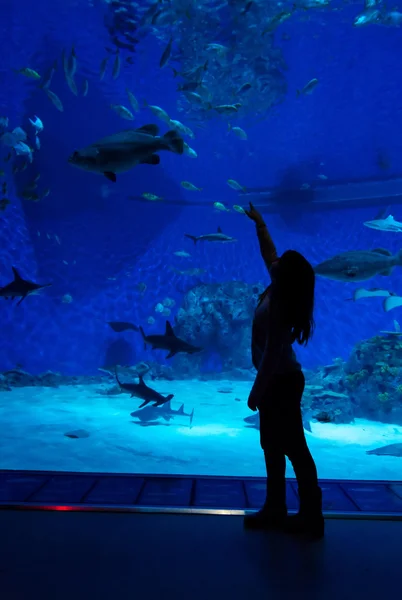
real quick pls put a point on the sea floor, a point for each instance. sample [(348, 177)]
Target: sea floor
[(33, 421)]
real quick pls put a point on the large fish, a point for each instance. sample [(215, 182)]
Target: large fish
[(359, 265), (122, 151)]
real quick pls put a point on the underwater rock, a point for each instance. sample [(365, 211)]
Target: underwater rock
[(390, 450), (218, 317), (327, 406)]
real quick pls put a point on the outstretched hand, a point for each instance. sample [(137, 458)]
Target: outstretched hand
[(254, 215)]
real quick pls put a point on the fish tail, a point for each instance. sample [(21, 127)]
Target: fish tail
[(191, 237), (191, 417), (174, 141)]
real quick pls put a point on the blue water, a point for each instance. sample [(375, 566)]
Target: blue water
[(109, 244)]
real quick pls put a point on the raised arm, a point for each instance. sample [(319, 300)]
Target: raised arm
[(267, 246)]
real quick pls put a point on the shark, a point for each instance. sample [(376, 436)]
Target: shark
[(20, 288), (142, 391), (388, 224), (169, 341), (166, 412), (211, 237)]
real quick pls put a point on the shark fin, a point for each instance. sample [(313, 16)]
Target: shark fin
[(169, 330), (219, 230), (142, 382), (180, 411), (171, 354), (22, 298), (17, 276), (143, 404)]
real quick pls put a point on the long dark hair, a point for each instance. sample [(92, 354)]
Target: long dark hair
[(292, 296)]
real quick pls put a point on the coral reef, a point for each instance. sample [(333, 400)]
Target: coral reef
[(373, 378), (218, 317)]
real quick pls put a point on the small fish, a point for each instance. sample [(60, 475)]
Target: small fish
[(47, 80), (322, 177), (244, 88), (151, 197), (122, 111), (239, 132), (227, 109), (4, 122), (371, 15), (67, 299), (151, 321), (235, 185), (275, 21), (27, 72), (36, 124), (221, 207), (189, 151), (160, 113), (142, 287), (133, 101), (72, 85), (56, 237), (116, 67), (189, 186), (182, 254), (103, 66), (120, 326), (37, 142), (85, 88), (308, 88), (239, 209), (54, 99), (23, 149), (181, 128), (72, 63), (166, 54)]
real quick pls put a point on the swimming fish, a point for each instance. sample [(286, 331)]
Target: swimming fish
[(308, 88), (388, 224), (122, 151), (359, 265), (211, 237)]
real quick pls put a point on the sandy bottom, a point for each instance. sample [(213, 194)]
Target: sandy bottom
[(33, 422)]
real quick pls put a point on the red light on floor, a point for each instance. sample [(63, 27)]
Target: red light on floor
[(64, 508)]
